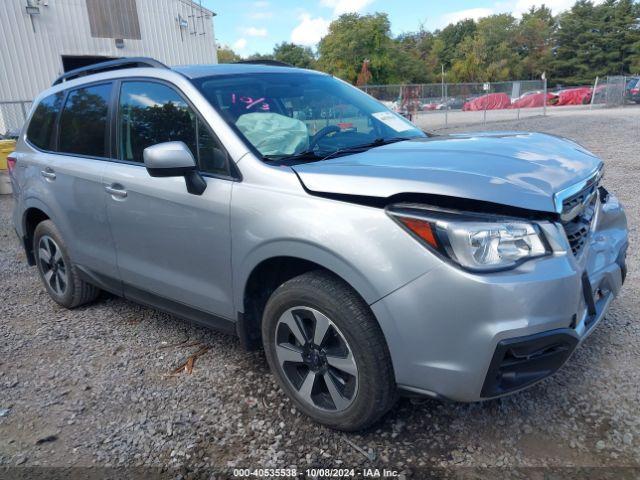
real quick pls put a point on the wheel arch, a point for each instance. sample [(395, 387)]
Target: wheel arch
[(271, 271), (34, 214)]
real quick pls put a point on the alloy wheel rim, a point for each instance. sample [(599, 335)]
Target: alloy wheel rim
[(315, 358), (54, 270)]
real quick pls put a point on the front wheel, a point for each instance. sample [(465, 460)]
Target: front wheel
[(327, 351)]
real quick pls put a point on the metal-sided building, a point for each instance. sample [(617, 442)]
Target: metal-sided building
[(41, 39)]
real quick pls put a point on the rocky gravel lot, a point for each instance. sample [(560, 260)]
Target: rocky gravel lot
[(97, 386)]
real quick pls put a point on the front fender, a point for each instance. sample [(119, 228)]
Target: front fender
[(359, 243), (307, 251)]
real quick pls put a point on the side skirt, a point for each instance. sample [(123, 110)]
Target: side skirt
[(158, 302)]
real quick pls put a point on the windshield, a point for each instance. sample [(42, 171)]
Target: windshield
[(284, 115)]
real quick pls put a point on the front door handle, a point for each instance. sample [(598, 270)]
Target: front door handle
[(48, 173), (116, 191)]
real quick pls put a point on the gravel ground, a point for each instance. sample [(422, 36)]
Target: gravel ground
[(94, 386)]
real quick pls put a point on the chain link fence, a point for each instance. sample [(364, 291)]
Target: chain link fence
[(12, 117), (444, 104), (614, 90)]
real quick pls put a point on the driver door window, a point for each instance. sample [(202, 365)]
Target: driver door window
[(152, 113)]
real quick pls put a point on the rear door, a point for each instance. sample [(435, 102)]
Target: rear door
[(70, 168), (169, 243)]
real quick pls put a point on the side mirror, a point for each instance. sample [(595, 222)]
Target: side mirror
[(174, 159)]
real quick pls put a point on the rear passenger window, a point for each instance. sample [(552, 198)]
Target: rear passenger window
[(40, 131), (152, 113), (83, 123)]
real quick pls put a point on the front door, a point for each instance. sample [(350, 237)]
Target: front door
[(169, 243)]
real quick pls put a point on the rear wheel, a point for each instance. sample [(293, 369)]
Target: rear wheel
[(327, 351), (57, 273)]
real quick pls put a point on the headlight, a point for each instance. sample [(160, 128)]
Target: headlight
[(475, 242)]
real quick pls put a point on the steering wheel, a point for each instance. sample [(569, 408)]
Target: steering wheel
[(323, 132)]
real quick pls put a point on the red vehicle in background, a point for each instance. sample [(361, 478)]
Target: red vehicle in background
[(490, 101), (574, 96), (533, 100)]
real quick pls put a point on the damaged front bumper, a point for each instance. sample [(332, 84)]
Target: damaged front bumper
[(468, 337)]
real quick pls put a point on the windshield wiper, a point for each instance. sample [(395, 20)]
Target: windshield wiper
[(313, 156), (309, 155), (378, 142)]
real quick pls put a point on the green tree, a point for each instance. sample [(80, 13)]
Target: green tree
[(352, 38), (226, 55), (575, 42), (414, 57), (295, 55), (623, 48), (490, 54), (597, 40), (260, 56), (496, 35), (469, 66), (534, 39), (574, 47), (448, 41), (632, 39)]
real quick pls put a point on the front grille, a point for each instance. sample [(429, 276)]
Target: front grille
[(577, 238), (579, 198), (578, 211)]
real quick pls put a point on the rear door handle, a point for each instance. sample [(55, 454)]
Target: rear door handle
[(48, 173), (116, 191)]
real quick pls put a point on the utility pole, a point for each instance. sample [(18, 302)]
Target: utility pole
[(544, 103), (444, 98)]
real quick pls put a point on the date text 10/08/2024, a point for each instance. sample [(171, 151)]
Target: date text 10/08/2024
[(315, 473)]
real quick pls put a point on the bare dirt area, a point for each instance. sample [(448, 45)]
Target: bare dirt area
[(97, 386)]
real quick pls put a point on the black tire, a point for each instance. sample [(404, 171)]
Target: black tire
[(76, 292), (376, 388)]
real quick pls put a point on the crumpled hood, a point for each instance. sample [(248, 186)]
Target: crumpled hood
[(519, 169)]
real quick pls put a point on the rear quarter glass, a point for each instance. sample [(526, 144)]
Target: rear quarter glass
[(41, 128)]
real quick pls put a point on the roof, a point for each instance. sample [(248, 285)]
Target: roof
[(117, 64), (197, 4), (198, 71), (188, 71)]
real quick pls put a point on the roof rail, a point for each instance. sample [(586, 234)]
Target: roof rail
[(120, 63), (266, 61)]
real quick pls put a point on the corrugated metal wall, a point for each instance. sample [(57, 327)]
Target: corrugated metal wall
[(30, 61)]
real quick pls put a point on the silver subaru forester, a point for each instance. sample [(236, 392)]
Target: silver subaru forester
[(366, 257)]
